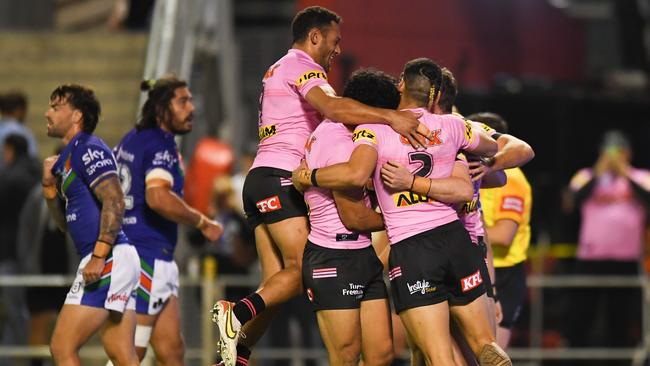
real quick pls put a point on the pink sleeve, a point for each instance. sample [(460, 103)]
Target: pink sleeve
[(464, 132), (365, 135), (308, 76)]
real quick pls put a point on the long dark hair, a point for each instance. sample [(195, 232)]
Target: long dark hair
[(160, 94)]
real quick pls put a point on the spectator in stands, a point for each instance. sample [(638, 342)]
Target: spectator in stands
[(17, 178), (613, 199), (43, 249), (13, 110)]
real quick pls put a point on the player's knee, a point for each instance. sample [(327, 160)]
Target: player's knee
[(170, 351), (382, 355), (492, 355), (60, 350), (349, 352)]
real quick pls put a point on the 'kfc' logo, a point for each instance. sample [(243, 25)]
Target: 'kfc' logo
[(269, 204), (471, 281)]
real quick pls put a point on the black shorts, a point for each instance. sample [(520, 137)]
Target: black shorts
[(440, 264), (341, 278), (511, 291), (485, 273), (270, 197)]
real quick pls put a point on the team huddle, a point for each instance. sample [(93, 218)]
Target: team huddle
[(387, 155)]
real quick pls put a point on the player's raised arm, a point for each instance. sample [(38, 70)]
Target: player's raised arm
[(351, 112), (54, 203)]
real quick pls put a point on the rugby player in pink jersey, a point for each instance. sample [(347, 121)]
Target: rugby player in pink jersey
[(342, 276), (433, 268), (512, 152), (296, 96)]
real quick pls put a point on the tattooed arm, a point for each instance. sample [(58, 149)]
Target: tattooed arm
[(109, 193)]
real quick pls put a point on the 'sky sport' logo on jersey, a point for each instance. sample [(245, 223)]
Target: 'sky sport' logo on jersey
[(267, 131), (313, 74)]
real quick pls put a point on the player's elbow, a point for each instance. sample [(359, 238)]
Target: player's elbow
[(154, 200), (357, 178)]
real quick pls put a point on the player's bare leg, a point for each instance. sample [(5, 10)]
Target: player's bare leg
[(117, 338), (340, 332), (428, 327), (166, 339), (289, 237), (473, 321), (74, 326), (376, 333), (271, 262), (503, 337)]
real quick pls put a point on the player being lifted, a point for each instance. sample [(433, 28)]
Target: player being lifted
[(295, 97)]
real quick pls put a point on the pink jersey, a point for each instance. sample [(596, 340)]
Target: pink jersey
[(471, 216), (613, 219), (470, 213), (285, 118), (331, 143), (406, 213)]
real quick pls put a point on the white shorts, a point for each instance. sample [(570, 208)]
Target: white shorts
[(116, 288), (158, 282)]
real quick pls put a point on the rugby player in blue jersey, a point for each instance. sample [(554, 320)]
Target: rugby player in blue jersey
[(83, 194), (151, 173)]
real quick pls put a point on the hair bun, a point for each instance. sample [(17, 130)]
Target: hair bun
[(147, 85)]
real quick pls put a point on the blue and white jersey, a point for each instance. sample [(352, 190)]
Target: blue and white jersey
[(84, 163), (149, 153)]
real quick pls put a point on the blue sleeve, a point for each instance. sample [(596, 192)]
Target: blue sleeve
[(94, 163), (162, 156)]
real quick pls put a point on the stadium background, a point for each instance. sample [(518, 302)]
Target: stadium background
[(562, 72)]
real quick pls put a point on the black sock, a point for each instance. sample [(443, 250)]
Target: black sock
[(243, 354), (248, 308)]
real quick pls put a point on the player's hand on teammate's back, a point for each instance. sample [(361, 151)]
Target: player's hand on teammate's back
[(48, 178), (212, 230), (396, 176), (406, 123), (92, 272)]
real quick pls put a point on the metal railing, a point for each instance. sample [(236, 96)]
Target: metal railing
[(212, 288)]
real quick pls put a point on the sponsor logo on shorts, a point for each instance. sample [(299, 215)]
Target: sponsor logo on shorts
[(512, 203), (394, 273), (118, 297), (158, 303), (432, 140), (269, 204), (365, 134), (405, 199), (422, 287), (324, 272), (472, 281), (313, 74), (354, 290), (310, 294), (76, 286), (266, 131)]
